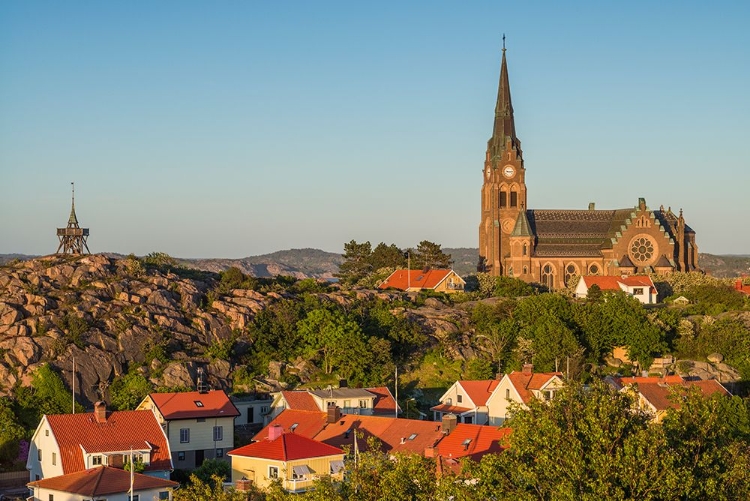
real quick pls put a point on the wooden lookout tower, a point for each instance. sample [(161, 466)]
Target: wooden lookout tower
[(73, 238)]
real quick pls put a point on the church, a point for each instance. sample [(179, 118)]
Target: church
[(551, 247)]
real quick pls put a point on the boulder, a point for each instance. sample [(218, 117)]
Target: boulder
[(163, 298), (613, 362), (177, 374), (23, 349), (715, 358), (9, 314)]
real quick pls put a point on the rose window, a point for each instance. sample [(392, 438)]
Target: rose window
[(642, 249)]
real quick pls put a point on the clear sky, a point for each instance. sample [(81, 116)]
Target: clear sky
[(236, 128)]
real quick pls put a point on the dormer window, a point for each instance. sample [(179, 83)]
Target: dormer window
[(293, 427)]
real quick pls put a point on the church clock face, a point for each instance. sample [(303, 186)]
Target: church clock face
[(508, 171)]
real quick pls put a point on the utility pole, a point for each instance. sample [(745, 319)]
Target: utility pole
[(396, 388)]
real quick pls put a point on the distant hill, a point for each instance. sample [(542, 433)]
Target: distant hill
[(315, 263)]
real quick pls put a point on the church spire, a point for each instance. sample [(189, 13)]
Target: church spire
[(505, 126)]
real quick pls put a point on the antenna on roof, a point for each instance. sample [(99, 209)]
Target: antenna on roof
[(201, 384)]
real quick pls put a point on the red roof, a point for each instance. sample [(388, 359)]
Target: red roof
[(622, 381), (525, 382), (287, 447), (102, 481), (395, 435), (193, 404), (308, 423), (384, 401), (472, 440), (300, 400), (416, 279), (613, 282), (454, 409), (122, 431), (479, 391), (660, 395)]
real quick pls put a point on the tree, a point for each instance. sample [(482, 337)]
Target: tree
[(128, 391), (213, 469), (47, 395), (11, 432), (387, 256), (198, 490), (337, 340), (429, 255), (356, 263), (584, 444)]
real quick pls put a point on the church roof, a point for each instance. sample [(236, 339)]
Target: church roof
[(625, 262), (522, 227), (576, 232), (663, 262)]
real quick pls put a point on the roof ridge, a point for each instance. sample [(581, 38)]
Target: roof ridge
[(98, 480)]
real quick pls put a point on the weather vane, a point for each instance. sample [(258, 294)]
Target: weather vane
[(503, 42)]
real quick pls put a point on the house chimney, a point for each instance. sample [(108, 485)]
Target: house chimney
[(275, 432), (528, 369), (429, 452), (403, 440), (334, 414), (100, 412), (243, 485), (499, 376), (592, 205), (449, 423)]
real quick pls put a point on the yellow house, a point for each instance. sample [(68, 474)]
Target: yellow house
[(294, 460), (446, 281)]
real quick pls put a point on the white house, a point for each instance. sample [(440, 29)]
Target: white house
[(199, 424), (68, 443), (101, 483), (252, 410), (466, 399), (520, 388), (640, 287)]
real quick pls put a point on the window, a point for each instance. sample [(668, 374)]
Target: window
[(548, 276), (347, 404), (264, 409), (181, 456), (570, 272), (198, 403), (164, 495), (54, 458), (363, 404), (594, 270), (51, 497), (459, 399), (218, 433), (136, 497), (219, 452), (184, 435), (638, 291), (412, 436), (46, 433), (200, 420), (293, 427), (503, 199), (273, 472), (525, 250), (514, 199), (96, 460), (507, 394), (525, 270)]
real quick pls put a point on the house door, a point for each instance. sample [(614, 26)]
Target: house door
[(199, 456), (250, 419)]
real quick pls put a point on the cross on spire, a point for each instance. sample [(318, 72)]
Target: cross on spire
[(503, 42)]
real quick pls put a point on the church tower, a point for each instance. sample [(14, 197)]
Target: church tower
[(504, 187)]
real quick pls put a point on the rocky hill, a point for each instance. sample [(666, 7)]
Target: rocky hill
[(111, 315)]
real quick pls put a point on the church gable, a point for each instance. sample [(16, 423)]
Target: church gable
[(644, 244)]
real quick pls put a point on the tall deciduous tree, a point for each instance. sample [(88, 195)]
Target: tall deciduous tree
[(337, 340)]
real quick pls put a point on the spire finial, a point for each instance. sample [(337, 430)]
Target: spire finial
[(73, 190), (503, 43)]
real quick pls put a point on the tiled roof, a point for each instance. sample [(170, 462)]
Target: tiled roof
[(613, 282), (193, 404), (660, 394), (309, 423), (620, 382), (300, 400), (395, 435), (122, 431), (421, 279), (287, 447), (102, 481), (342, 393), (524, 382), (479, 390), (450, 408), (384, 401), (472, 440), (576, 232)]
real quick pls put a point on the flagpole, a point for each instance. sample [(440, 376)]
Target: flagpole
[(396, 388)]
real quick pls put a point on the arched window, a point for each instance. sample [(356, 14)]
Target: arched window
[(525, 270), (548, 276), (524, 249), (514, 198), (570, 272), (593, 270), (503, 199)]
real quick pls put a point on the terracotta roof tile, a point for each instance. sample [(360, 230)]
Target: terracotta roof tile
[(102, 481), (479, 391), (472, 440), (121, 431), (309, 423), (403, 279), (450, 408), (660, 394), (287, 447), (613, 282), (300, 400), (193, 404), (620, 381), (524, 383), (384, 401)]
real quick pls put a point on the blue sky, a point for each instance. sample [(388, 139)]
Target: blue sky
[(231, 129)]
